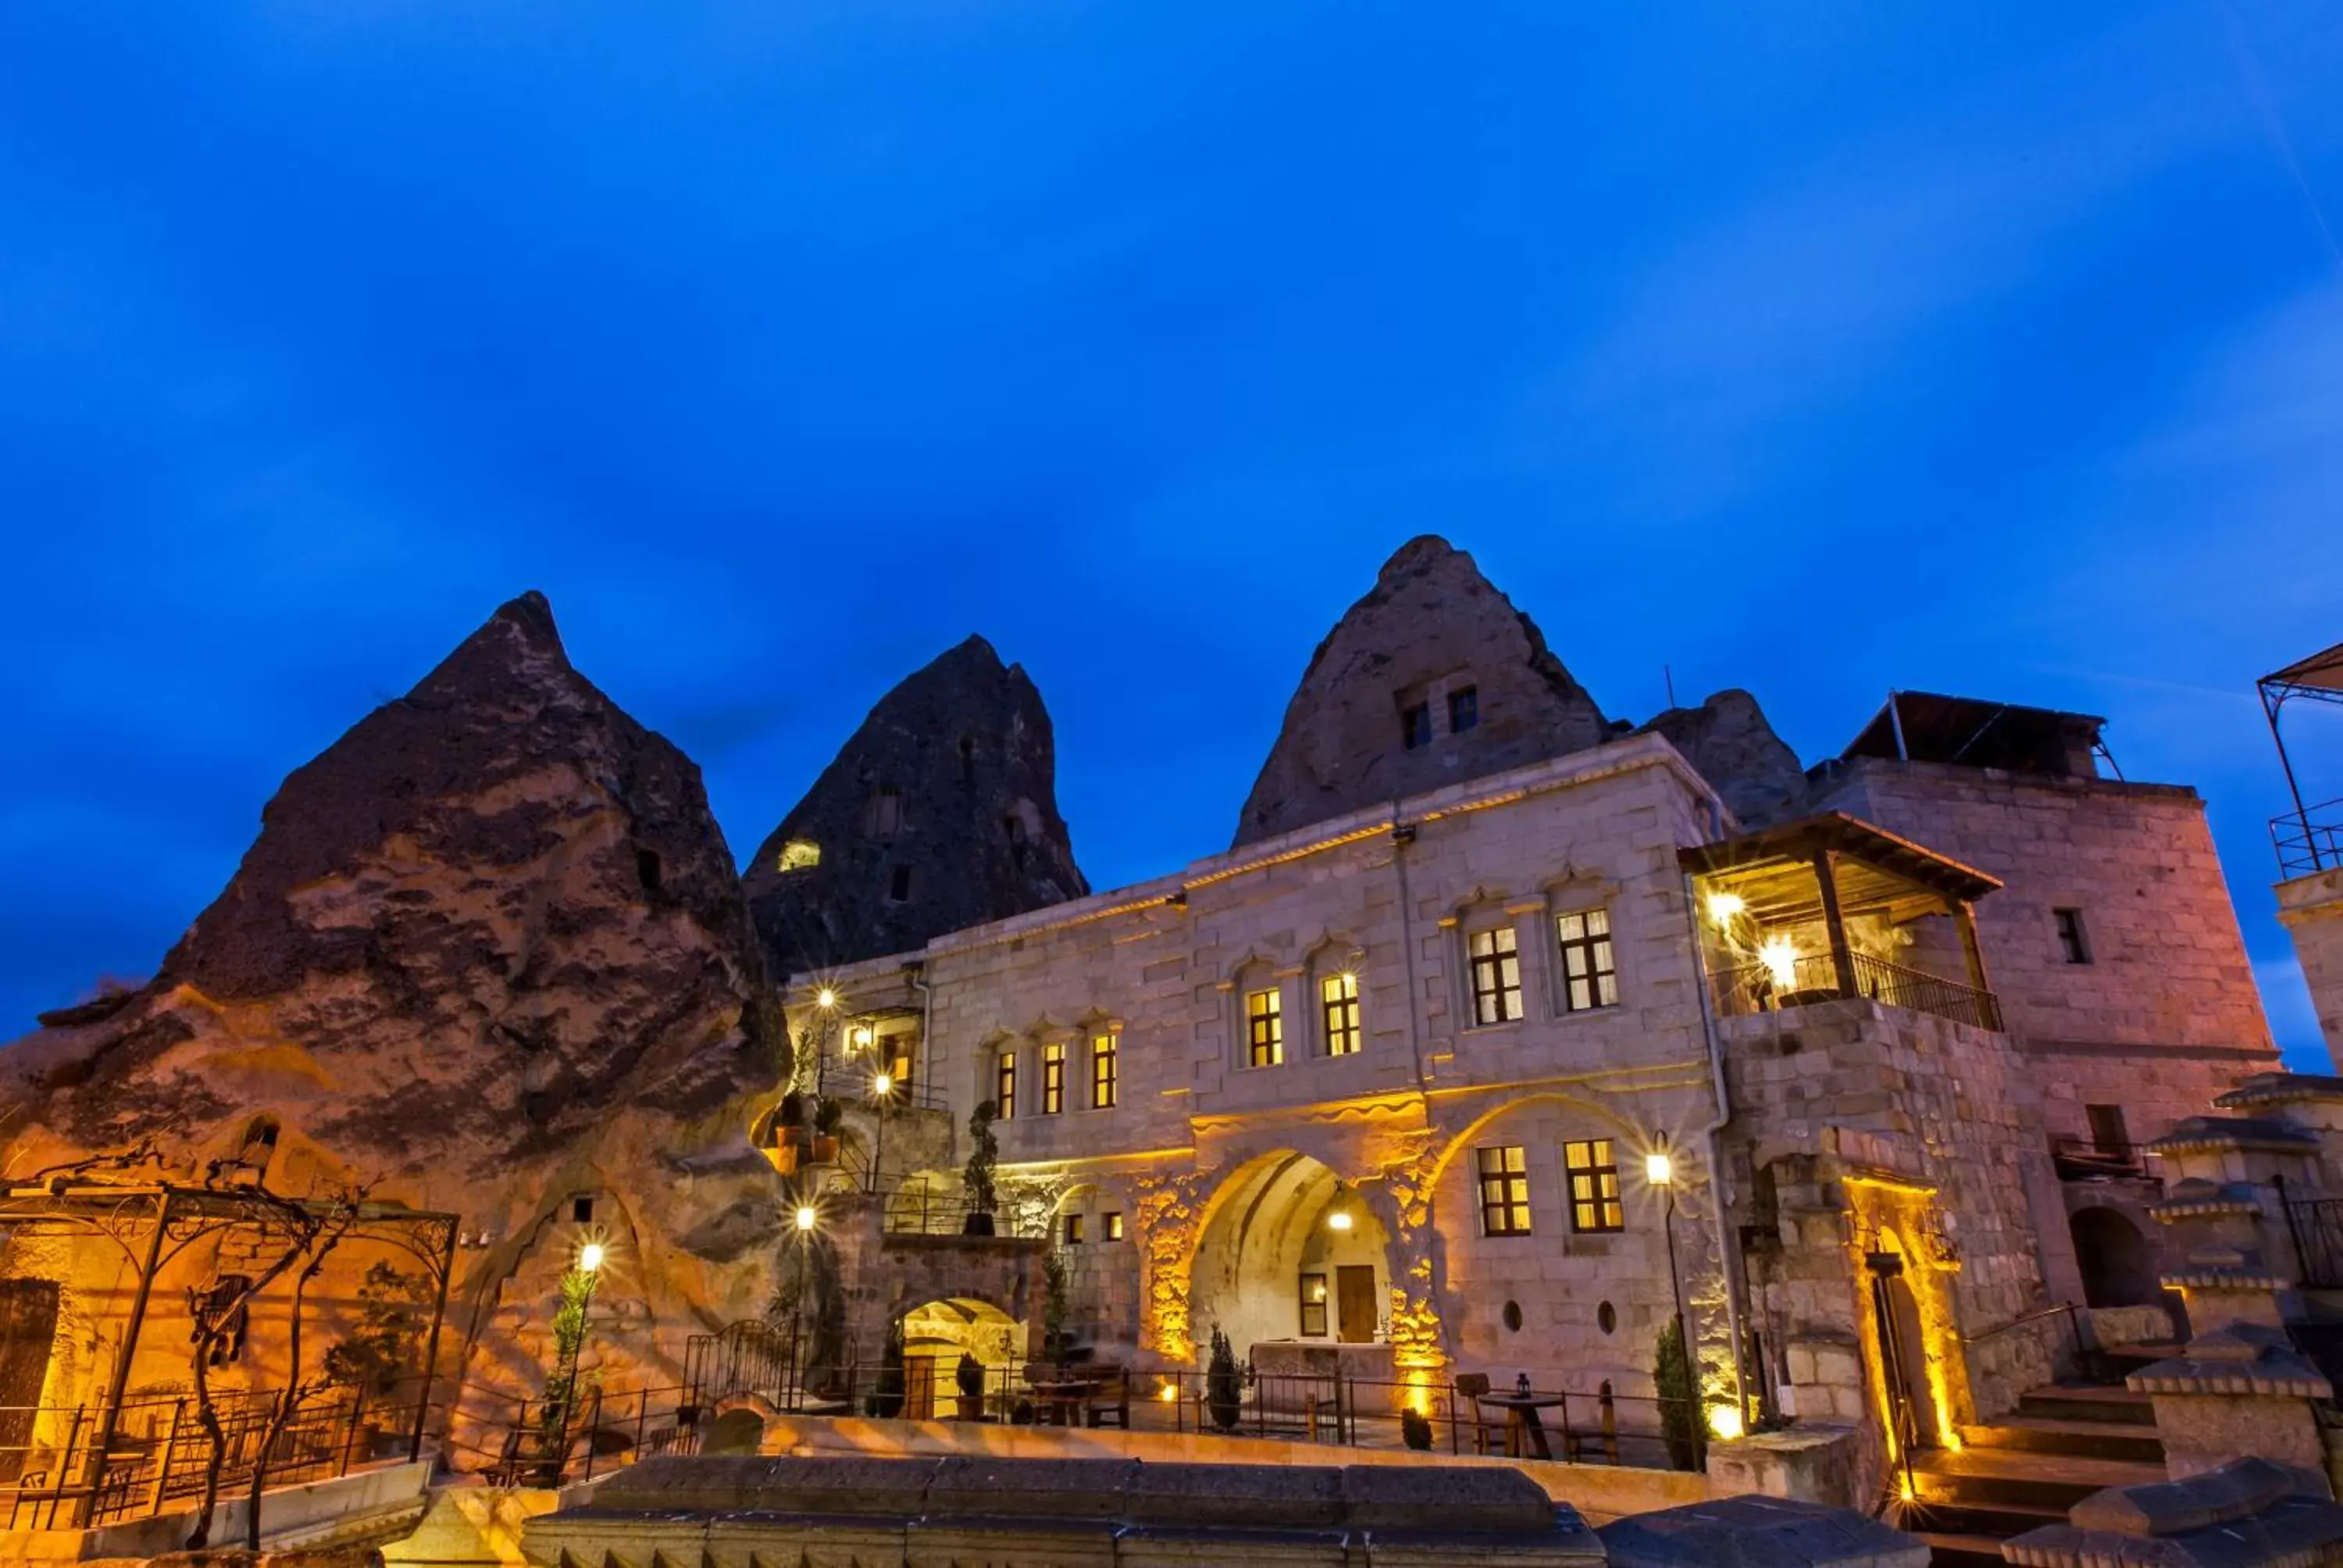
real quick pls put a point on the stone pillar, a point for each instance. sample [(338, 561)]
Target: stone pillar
[(2311, 910), (2247, 1514), (2223, 1210), (2239, 1390)]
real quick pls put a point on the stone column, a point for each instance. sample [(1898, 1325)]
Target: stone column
[(2311, 910), (2239, 1390)]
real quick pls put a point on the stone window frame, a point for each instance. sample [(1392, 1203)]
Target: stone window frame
[(1574, 894), (1488, 911), (1251, 976), (1503, 1191), (1002, 1052), (1106, 1033), (1050, 1056), (1336, 953), (1607, 1202)]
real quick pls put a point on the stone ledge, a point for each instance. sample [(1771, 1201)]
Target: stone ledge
[(2211, 1134)]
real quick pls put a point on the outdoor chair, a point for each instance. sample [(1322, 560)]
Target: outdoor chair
[(1488, 1437), (1110, 1399)]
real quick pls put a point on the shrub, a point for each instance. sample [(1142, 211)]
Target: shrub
[(1223, 1384), (1415, 1427), (1679, 1404)]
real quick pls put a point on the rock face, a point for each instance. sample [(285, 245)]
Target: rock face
[(488, 955), (1432, 678), (1728, 738), (940, 813)]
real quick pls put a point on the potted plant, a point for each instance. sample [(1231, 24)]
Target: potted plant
[(1223, 1384), (826, 1120), (790, 1123), (976, 1177), (969, 1376), (886, 1400), (1415, 1428)]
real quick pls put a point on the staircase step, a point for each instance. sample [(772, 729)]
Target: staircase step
[(2054, 1434), (1984, 1521), (2000, 1476), (1951, 1549), (2088, 1401)]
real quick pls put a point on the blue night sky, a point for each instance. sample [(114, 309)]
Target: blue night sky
[(1992, 349)]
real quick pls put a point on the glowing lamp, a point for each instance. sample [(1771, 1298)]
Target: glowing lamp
[(1780, 957), (1339, 1219), (860, 1038), (1723, 1422), (805, 1217), (1723, 907), (1659, 1168), (1168, 1395), (589, 1256), (883, 1085), (825, 999)]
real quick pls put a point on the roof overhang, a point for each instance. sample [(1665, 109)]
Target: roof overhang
[(1772, 871)]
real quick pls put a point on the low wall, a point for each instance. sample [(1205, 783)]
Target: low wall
[(369, 1505), (471, 1525), (1600, 1492)]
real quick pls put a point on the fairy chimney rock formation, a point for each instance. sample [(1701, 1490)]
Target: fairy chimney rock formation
[(489, 949), (1432, 678), (940, 813), (1728, 740)]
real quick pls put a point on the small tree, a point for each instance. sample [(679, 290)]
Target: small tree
[(1223, 1384), (1053, 1304), (561, 1387), (969, 1376), (388, 1341), (984, 1154), (1679, 1408)]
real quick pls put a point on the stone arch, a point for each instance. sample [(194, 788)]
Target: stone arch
[(737, 1429), (1275, 1224), (2118, 1262), (1641, 1139), (939, 1332)]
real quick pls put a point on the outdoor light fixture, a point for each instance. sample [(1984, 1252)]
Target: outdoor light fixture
[(589, 1256), (1168, 1393), (1723, 1422), (883, 1085), (1723, 907), (825, 999), (1780, 957), (861, 1037), (1339, 1219), (806, 1218), (1659, 1168)]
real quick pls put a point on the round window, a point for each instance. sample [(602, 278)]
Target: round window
[(1606, 1317), (1513, 1317)]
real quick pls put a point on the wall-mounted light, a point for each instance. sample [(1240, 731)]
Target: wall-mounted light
[(1723, 907), (1723, 1422), (806, 1218), (1780, 957), (860, 1039), (1339, 1219), (825, 999), (1659, 1168), (883, 1085), (590, 1257)]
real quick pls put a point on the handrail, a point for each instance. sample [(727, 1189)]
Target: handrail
[(2036, 1315), (2310, 840)]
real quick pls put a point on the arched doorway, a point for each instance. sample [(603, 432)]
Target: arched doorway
[(1912, 1411), (936, 1336), (2117, 1265), (1289, 1253)]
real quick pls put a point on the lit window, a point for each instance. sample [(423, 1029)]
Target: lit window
[(1313, 1306), (1588, 978), (1339, 997), (801, 855), (1266, 1029), (1416, 727), (2074, 946), (1110, 1225), (1463, 710), (1053, 1078), (1504, 1190), (1497, 975), (1104, 1050), (1073, 1230), (1004, 1083), (1593, 1186), (897, 1052)]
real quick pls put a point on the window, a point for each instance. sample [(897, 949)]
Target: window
[(1589, 979), (1463, 710), (1593, 1186), (581, 1211), (1264, 1029), (1073, 1230), (647, 870), (1339, 997), (2108, 1134), (801, 855), (1004, 1084), (1313, 1306), (1110, 1225), (2074, 946), (1103, 1051), (1415, 726), (1497, 975), (1053, 1078), (882, 814), (1504, 1190), (899, 890)]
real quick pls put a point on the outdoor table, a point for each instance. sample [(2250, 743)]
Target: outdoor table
[(1063, 1401), (1524, 1432)]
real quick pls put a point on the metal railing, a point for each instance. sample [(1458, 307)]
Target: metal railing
[(1757, 987), (2079, 1158), (157, 1461), (918, 1207), (1587, 1428), (2310, 840), (2316, 1224)]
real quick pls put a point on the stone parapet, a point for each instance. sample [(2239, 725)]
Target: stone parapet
[(2249, 1514), (1772, 1532)]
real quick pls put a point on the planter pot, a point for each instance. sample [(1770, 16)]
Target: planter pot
[(785, 1159), (976, 1224), (794, 1136), (824, 1150)]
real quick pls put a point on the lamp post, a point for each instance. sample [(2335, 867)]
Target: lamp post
[(882, 1090), (806, 1218), (1660, 1170), (826, 998), (569, 1333)]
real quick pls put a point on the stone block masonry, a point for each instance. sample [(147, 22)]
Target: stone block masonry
[(2311, 910)]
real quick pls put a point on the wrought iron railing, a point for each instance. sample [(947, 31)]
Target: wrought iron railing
[(2316, 1226), (918, 1207), (1814, 977), (2079, 1158), (2310, 840)]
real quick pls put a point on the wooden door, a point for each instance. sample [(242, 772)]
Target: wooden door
[(1355, 1303), (920, 1388), (28, 1321)]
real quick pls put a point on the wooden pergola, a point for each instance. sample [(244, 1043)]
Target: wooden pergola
[(1830, 868)]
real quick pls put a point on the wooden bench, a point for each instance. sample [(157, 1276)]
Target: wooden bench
[(1108, 1401)]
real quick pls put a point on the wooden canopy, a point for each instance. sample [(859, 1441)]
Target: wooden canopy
[(1773, 872)]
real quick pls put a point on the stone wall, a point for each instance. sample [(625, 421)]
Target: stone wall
[(2311, 910)]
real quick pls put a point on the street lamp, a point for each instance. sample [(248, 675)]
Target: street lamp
[(882, 1089), (569, 1328), (1660, 1170), (806, 1218)]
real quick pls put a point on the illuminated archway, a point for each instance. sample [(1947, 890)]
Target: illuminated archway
[(1289, 1252), (937, 1334)]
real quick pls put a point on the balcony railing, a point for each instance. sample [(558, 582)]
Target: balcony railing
[(2080, 1159), (1756, 988), (2308, 841)]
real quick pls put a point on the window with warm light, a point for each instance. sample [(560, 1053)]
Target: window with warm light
[(1110, 1225), (1504, 1189), (1590, 979), (801, 855), (1496, 966), (1264, 1029), (1053, 1078), (1593, 1169), (1004, 1083), (1073, 1230), (1313, 1306), (1338, 999), (1104, 1050)]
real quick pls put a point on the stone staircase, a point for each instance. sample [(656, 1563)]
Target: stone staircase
[(2062, 1444)]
